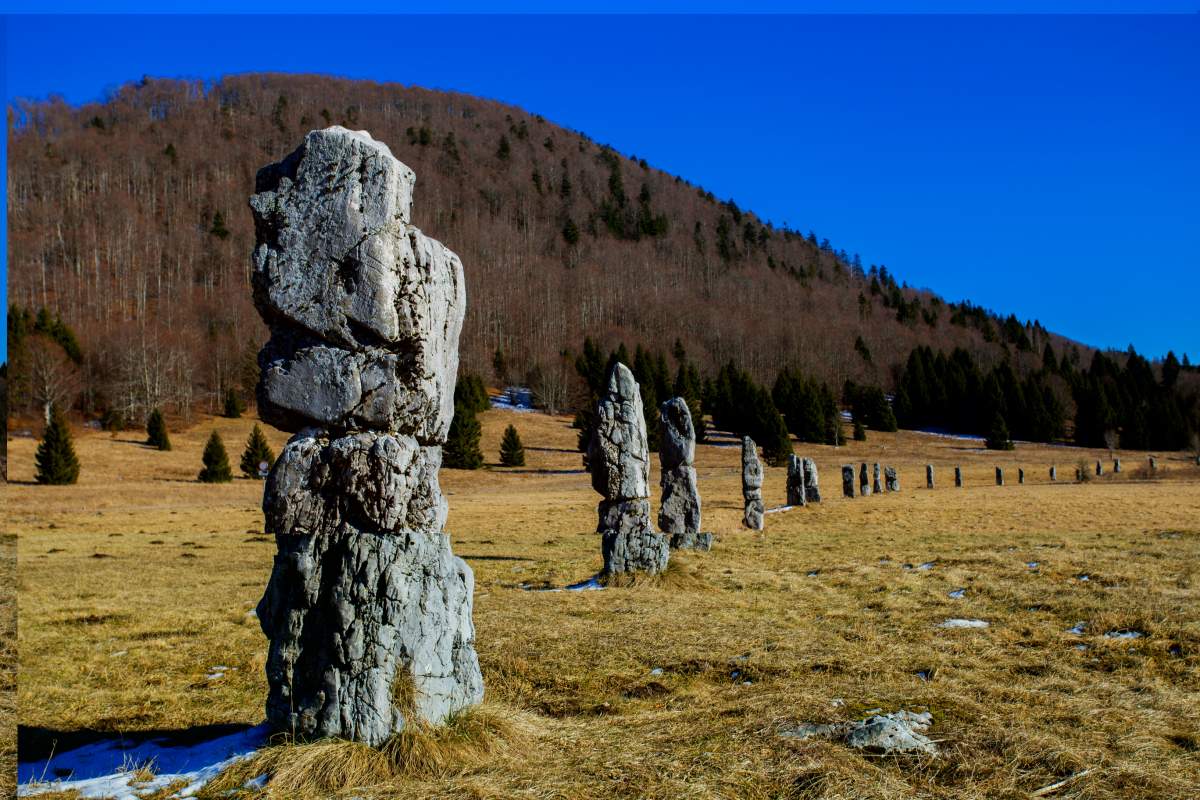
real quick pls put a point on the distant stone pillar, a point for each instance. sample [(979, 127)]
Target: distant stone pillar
[(1020, 475), (848, 480), (999, 476), (1153, 463), (1053, 474), (752, 480), (864, 481), (1116, 465), (1099, 469), (958, 477), (1078, 475), (876, 485), (929, 476), (812, 487), (795, 481), (890, 479)]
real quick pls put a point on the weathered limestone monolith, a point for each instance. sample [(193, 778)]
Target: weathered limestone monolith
[(367, 611), (812, 482), (890, 480), (848, 480), (619, 460), (864, 481), (1116, 465), (679, 514), (1153, 463), (876, 483), (1099, 469), (1053, 474), (929, 476), (1020, 475), (795, 482), (958, 477), (752, 480), (999, 476)]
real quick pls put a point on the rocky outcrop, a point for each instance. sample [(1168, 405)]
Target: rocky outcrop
[(679, 514), (752, 481), (619, 462), (848, 480), (795, 482), (367, 611), (891, 480), (812, 481)]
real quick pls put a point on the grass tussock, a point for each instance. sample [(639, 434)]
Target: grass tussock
[(332, 768), (682, 573)]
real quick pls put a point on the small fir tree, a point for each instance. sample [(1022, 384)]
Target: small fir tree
[(216, 462), (257, 452), (512, 452), (55, 458), (461, 450), (860, 433), (998, 438), (156, 431), (233, 404)]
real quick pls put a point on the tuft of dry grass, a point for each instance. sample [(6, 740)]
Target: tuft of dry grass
[(676, 686)]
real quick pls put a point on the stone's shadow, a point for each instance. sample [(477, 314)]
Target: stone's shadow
[(553, 449), (494, 558), (547, 471), (36, 745)]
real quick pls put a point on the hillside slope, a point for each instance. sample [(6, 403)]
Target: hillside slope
[(129, 219)]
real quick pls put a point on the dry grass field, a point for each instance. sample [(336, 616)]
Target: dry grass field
[(134, 583)]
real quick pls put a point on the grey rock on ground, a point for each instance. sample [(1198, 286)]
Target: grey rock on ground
[(812, 482), (883, 734), (1053, 474), (999, 476), (864, 481), (367, 611), (752, 480), (1099, 469), (1153, 463), (848, 480), (958, 477), (876, 476), (619, 461), (795, 482), (1116, 465), (679, 514), (929, 476), (891, 480), (1020, 475)]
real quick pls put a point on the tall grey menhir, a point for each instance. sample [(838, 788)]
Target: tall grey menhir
[(367, 610)]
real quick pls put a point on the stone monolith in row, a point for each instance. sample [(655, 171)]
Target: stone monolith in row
[(958, 477), (812, 481), (891, 481), (679, 514), (1053, 474), (848, 480), (929, 476), (752, 481), (367, 611), (795, 482), (619, 461), (864, 481), (876, 479)]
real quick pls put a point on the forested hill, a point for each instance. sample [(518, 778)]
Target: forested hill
[(128, 220)]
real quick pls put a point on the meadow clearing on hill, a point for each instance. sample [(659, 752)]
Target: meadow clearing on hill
[(135, 584)]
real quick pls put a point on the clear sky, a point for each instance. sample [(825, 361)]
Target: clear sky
[(1047, 166)]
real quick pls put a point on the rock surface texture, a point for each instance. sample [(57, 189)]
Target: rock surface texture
[(619, 460), (848, 480), (899, 732), (367, 611), (679, 514), (812, 481), (752, 481), (795, 482)]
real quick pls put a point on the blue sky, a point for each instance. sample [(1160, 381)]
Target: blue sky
[(1042, 165)]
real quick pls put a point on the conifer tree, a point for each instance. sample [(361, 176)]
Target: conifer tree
[(257, 452), (512, 452), (216, 462), (860, 433), (233, 404), (55, 458), (998, 438), (461, 450), (156, 430)]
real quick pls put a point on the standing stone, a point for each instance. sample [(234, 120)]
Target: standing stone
[(1020, 475), (812, 483), (679, 514), (929, 476), (1099, 469), (752, 480), (1078, 475), (958, 477), (619, 460), (999, 476), (1153, 463), (1116, 465), (795, 482), (1053, 474), (876, 484), (848, 480), (367, 611), (864, 481), (892, 482)]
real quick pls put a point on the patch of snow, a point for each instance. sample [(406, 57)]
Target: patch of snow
[(926, 565), (1081, 647), (656, 671), (1079, 628), (1083, 577), (940, 434), (956, 622), (118, 654), (215, 676), (814, 573), (101, 769), (777, 509), (957, 594), (1032, 564), (1124, 633)]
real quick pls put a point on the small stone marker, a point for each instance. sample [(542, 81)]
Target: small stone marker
[(1116, 465), (1078, 475), (752, 480), (1020, 475), (795, 481), (958, 477), (876, 485), (890, 479), (929, 476), (812, 488), (1153, 463), (999, 476), (864, 481), (1099, 468), (848, 480), (1053, 474)]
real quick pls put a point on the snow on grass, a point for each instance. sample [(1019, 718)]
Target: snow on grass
[(956, 622), (957, 594), (110, 768)]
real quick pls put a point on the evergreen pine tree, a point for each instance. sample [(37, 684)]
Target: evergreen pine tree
[(512, 452), (257, 452), (216, 462), (998, 438), (233, 404), (156, 430), (461, 450), (860, 433), (55, 458)]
